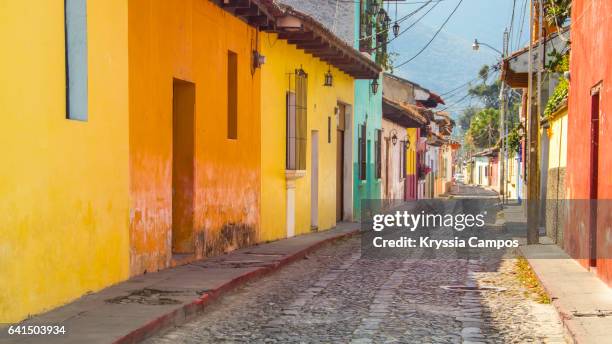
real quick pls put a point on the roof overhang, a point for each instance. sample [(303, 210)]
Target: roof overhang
[(515, 68), (422, 96), (489, 152), (304, 32), (253, 12), (309, 35), (403, 114)]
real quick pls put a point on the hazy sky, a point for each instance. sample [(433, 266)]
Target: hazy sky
[(449, 61), (482, 19)]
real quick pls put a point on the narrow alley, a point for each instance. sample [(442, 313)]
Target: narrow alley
[(306, 171)]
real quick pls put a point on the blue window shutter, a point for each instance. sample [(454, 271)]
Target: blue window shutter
[(76, 59)]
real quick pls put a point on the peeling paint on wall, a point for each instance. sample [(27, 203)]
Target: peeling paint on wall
[(182, 40)]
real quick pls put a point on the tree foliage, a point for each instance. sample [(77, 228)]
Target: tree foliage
[(484, 128), (557, 11), (466, 117)]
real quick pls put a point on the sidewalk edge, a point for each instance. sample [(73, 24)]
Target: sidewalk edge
[(570, 330), (191, 310)]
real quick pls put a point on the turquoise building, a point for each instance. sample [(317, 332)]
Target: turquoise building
[(367, 114)]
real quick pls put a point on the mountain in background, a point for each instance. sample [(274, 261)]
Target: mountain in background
[(447, 63)]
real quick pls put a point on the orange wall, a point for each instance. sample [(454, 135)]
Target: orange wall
[(591, 36), (184, 39)]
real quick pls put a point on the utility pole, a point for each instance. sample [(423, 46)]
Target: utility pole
[(502, 123), (533, 114)]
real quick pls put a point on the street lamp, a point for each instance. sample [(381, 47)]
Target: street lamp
[(381, 15), (374, 86), (396, 28), (374, 7), (393, 134), (329, 78), (476, 46)]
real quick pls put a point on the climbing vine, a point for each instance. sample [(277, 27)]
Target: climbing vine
[(558, 11), (559, 64), (559, 96)]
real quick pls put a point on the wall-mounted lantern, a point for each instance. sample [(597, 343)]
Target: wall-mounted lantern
[(396, 28), (258, 59), (407, 142), (387, 21), (374, 7), (381, 16), (393, 135), (329, 78), (374, 86), (300, 72)]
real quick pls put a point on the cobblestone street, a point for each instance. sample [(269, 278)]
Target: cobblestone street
[(335, 296)]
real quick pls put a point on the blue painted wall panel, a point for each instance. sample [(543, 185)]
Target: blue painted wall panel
[(76, 59), (368, 108)]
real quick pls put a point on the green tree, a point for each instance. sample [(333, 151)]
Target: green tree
[(484, 128), (466, 117)]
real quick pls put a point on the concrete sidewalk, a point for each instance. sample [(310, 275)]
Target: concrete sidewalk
[(583, 301), (144, 305)]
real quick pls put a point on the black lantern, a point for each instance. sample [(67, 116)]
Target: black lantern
[(393, 137), (374, 85), (387, 21), (300, 72), (329, 78), (407, 142), (381, 16), (374, 7), (396, 28)]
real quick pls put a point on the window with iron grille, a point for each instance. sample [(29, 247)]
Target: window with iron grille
[(362, 152), (378, 153), (296, 121)]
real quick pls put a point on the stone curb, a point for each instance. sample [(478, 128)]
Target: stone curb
[(571, 333), (190, 310)]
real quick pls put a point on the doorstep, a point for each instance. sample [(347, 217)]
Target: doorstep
[(142, 306), (577, 294)]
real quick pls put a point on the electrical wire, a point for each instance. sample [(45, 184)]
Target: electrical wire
[(432, 39), (523, 14), (399, 20), (510, 32), (468, 94), (455, 91), (408, 28)]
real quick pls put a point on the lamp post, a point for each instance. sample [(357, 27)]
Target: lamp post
[(476, 46), (502, 114)]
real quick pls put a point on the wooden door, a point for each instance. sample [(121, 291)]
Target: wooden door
[(339, 174), (183, 112)]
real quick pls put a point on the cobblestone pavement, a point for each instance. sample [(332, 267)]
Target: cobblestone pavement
[(335, 296)]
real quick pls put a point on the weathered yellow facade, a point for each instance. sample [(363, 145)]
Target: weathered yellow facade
[(282, 61), (63, 183)]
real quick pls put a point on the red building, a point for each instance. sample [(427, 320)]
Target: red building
[(589, 136)]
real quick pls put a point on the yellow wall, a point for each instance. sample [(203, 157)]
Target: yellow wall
[(411, 152), (557, 154), (63, 183), (282, 59)]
